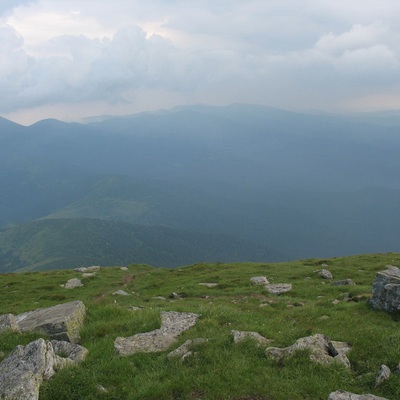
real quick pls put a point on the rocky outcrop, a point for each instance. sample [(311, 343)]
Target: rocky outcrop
[(341, 395), (386, 290), (323, 350), (24, 370), (172, 325), (8, 322), (61, 322)]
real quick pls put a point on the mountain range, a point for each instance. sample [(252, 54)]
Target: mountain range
[(234, 183)]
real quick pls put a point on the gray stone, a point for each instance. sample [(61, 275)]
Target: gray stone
[(323, 350), (93, 268), (209, 284), (73, 283), (186, 348), (259, 280), (382, 375), (278, 288), (8, 322), (124, 269), (24, 370), (60, 322), (175, 296), (172, 325), (120, 293), (88, 274), (341, 395), (159, 298), (344, 282), (240, 336), (325, 274), (135, 308), (386, 290)]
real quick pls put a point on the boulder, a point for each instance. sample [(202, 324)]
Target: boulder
[(172, 325), (325, 274), (382, 375), (73, 283), (8, 322), (322, 349), (278, 288), (24, 370), (386, 290), (259, 280), (60, 322), (341, 395), (186, 348), (240, 336)]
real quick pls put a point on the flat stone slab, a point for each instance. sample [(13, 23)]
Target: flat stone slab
[(278, 288), (8, 322), (24, 370), (240, 336), (120, 293), (172, 325), (73, 283), (208, 284), (341, 395), (323, 350), (60, 322)]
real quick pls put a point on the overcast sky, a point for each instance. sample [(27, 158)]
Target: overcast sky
[(77, 58)]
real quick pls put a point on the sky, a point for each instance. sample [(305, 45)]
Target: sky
[(79, 58)]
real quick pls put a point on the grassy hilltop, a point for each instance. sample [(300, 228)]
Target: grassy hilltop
[(219, 369)]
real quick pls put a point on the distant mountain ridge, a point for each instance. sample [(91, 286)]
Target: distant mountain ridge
[(299, 185)]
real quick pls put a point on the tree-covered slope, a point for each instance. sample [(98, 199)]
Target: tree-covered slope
[(67, 243)]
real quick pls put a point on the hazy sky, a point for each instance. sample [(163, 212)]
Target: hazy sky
[(75, 58)]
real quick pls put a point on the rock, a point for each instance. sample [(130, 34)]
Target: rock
[(159, 298), (175, 296), (278, 288), (259, 280), (209, 284), (70, 353), (73, 283), (240, 336), (120, 293), (324, 265), (93, 268), (382, 375), (386, 290), (124, 269), (323, 350), (336, 301), (8, 322), (61, 322), (325, 274), (24, 370), (341, 395), (88, 274), (172, 324), (185, 349), (344, 282), (135, 308)]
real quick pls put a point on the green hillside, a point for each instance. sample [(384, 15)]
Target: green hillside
[(74, 242), (219, 369)]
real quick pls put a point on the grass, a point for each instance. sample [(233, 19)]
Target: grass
[(219, 369)]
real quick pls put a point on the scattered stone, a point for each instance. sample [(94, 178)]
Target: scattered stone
[(336, 301), (185, 350), (264, 305), (73, 283), (325, 274), (93, 268), (88, 274), (323, 350), (159, 298), (172, 325), (71, 353), (120, 293), (344, 282), (324, 317), (209, 284), (278, 288), (101, 388), (8, 322), (60, 322), (135, 308), (382, 375), (124, 269), (259, 280), (175, 296), (240, 336), (324, 265), (386, 290), (341, 395), (24, 370)]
